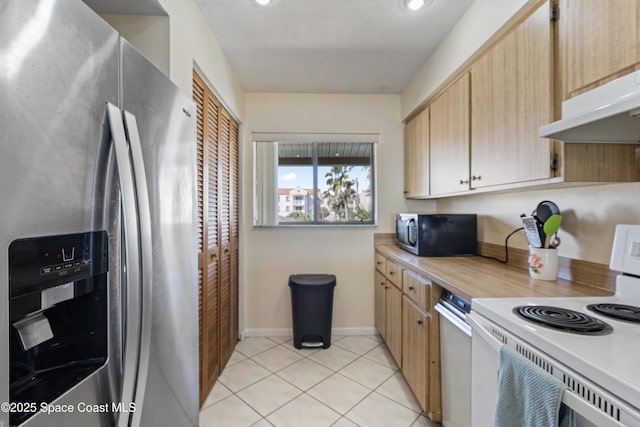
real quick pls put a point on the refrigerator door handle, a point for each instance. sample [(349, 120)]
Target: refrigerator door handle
[(144, 219), (131, 261)]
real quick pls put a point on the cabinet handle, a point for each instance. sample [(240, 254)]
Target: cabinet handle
[(476, 177), (420, 322), (464, 181), (381, 283), (392, 273), (411, 288), (378, 262), (386, 287)]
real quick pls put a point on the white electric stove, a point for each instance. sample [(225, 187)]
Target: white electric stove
[(598, 361)]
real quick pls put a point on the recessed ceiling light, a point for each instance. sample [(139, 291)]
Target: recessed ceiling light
[(263, 2), (415, 4)]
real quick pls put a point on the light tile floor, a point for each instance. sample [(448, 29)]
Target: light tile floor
[(355, 382)]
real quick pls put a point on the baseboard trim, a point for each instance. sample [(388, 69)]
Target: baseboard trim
[(287, 332)]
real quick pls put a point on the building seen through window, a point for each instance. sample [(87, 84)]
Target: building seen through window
[(316, 182)]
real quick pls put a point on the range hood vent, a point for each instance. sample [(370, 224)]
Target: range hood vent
[(609, 113)]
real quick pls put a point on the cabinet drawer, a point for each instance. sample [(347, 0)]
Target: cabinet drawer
[(417, 288), (380, 263), (394, 273)]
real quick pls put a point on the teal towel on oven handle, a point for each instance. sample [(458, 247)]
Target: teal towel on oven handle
[(528, 396)]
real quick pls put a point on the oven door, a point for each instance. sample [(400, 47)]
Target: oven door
[(485, 367)]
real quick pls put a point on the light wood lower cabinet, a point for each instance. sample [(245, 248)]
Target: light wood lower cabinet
[(415, 350), (380, 292), (403, 303), (393, 327)]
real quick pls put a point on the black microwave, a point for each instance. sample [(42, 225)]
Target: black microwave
[(438, 234)]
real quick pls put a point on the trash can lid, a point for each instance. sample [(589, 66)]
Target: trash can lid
[(312, 279)]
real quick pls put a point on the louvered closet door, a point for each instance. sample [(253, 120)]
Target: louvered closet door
[(218, 169), (224, 175), (234, 152), (207, 111)]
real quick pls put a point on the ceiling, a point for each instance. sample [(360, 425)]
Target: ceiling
[(329, 46)]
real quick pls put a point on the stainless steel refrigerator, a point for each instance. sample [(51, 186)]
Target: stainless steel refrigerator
[(98, 262)]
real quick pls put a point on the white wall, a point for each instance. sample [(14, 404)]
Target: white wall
[(148, 34), (270, 255), (589, 216), (192, 44)]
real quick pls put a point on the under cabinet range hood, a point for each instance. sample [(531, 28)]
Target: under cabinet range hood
[(609, 113)]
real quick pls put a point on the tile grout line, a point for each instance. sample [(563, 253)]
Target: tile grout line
[(286, 345)]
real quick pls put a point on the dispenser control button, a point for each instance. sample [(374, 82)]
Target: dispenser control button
[(66, 256), (46, 270)]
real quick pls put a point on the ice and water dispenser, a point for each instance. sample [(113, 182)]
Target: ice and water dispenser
[(57, 315)]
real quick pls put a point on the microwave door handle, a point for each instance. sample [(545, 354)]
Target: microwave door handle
[(412, 237), (131, 260), (144, 212)]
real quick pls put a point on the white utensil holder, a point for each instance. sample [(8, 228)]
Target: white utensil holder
[(543, 263)]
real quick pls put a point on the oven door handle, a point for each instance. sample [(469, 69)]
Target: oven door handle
[(587, 411), (480, 332)]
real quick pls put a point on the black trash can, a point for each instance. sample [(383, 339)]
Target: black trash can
[(312, 308)]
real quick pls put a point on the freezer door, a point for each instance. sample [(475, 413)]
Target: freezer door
[(165, 119), (58, 68)]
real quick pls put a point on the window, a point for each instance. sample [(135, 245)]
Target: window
[(319, 183)]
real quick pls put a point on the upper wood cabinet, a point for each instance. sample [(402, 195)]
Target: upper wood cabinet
[(449, 139), (511, 97), (599, 40), (480, 132), (416, 156)]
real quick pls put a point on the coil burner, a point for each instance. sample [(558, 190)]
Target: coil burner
[(563, 319), (627, 313)]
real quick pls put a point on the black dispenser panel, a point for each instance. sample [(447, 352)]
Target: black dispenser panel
[(58, 315), (39, 263)]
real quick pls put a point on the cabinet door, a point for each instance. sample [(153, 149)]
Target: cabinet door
[(417, 288), (393, 272), (449, 139), (415, 350), (601, 40), (511, 97), (380, 263), (380, 305), (393, 327), (416, 156)]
